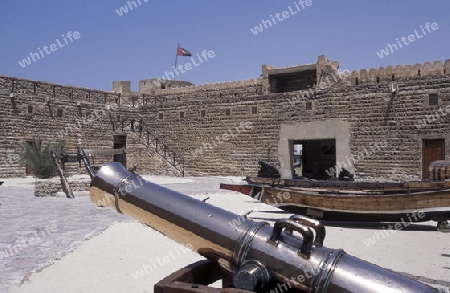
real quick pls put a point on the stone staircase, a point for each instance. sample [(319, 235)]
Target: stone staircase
[(139, 131)]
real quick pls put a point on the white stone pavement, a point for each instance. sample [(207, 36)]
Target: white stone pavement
[(131, 257)]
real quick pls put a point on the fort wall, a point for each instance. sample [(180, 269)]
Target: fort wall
[(226, 128)]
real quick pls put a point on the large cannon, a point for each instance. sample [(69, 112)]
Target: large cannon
[(254, 255)]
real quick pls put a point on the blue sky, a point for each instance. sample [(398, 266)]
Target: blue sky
[(142, 43)]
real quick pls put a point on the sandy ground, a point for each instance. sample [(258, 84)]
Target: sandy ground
[(131, 257)]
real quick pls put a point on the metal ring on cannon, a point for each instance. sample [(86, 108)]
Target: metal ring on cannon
[(307, 234), (119, 190)]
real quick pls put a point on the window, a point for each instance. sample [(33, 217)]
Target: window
[(161, 115), (30, 109), (308, 105), (254, 110), (59, 112), (203, 113), (118, 118), (433, 99), (228, 112), (181, 114)]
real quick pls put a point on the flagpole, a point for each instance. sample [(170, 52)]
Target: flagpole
[(176, 60)]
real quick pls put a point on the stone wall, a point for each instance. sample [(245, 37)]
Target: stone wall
[(50, 187), (53, 113), (384, 142), (225, 128)]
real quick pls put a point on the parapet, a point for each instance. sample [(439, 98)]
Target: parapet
[(399, 72), (211, 86), (147, 86)]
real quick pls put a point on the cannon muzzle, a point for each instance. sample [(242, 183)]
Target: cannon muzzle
[(290, 255)]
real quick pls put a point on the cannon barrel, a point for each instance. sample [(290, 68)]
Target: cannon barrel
[(253, 253)]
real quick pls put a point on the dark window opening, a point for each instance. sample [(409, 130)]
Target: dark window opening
[(203, 113), (254, 110), (181, 115), (118, 117), (433, 99), (356, 81), (292, 81), (308, 105), (227, 112), (378, 80), (30, 109), (161, 115), (59, 113), (120, 141), (418, 72), (393, 77), (132, 124)]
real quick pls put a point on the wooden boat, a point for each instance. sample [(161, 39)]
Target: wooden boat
[(354, 201)]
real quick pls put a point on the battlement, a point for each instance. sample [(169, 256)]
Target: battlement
[(291, 78), (296, 78), (399, 72), (25, 87)]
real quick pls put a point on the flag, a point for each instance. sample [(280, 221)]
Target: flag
[(183, 52)]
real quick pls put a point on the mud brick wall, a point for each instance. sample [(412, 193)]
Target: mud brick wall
[(202, 122), (378, 116), (229, 139), (52, 113)]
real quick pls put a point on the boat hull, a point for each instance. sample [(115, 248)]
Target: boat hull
[(354, 207), (400, 216)]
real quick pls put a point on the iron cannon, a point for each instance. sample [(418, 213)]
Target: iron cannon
[(254, 255)]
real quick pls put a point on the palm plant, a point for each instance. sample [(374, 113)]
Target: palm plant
[(39, 158)]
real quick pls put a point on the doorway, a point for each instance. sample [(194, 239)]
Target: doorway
[(120, 141), (432, 150), (318, 158), (31, 144)]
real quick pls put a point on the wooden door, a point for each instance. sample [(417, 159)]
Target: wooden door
[(432, 150)]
